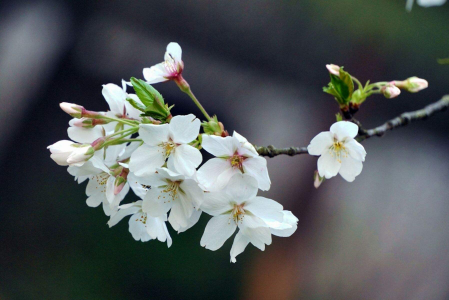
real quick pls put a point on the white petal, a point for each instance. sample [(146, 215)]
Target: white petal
[(242, 188), (356, 150), (328, 165), (154, 135), (108, 210), (216, 173), (156, 203), (115, 97), (121, 214), (145, 160), (136, 186), (239, 245), (217, 231), (350, 168), (186, 159), (265, 208), (216, 203), (256, 230), (193, 192), (257, 168), (218, 146), (110, 189), (344, 129), (184, 129), (155, 74), (97, 184), (285, 228), (175, 51), (162, 174), (191, 221), (85, 135), (137, 228), (428, 3), (95, 200), (178, 216), (245, 148), (320, 143)]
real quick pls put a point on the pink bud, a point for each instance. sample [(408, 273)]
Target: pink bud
[(333, 69), (390, 91), (416, 84), (317, 180), (74, 110)]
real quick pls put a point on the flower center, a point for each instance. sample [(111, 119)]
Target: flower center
[(170, 191), (168, 148), (101, 179), (338, 150), (237, 161), (143, 218), (238, 212), (171, 66)]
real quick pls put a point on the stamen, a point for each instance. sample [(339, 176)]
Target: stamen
[(171, 190), (168, 148), (338, 150), (237, 161), (238, 213)]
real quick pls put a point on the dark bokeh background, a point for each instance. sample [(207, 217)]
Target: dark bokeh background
[(260, 66)]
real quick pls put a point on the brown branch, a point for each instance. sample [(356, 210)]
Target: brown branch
[(402, 120)]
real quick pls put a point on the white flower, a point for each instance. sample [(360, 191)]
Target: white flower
[(340, 152), (238, 206), (424, 3), (175, 192), (103, 171), (234, 155), (66, 153), (171, 68), (116, 97), (142, 226), (168, 141)]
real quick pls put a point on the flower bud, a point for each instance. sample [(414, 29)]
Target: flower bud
[(390, 91), (88, 123), (66, 153), (74, 110), (317, 179), (333, 69), (120, 181), (412, 84)]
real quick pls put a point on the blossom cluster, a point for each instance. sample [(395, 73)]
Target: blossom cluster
[(138, 145)]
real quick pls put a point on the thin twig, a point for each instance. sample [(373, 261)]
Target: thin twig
[(402, 120)]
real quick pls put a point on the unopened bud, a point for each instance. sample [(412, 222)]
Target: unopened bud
[(66, 153), (120, 181), (412, 84), (333, 69), (214, 127), (390, 91), (98, 143), (74, 110), (89, 123), (317, 179)]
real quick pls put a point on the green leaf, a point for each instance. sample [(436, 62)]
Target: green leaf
[(332, 91), (135, 104), (348, 82), (154, 105), (341, 87)]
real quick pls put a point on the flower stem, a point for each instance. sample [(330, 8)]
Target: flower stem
[(130, 123), (185, 87)]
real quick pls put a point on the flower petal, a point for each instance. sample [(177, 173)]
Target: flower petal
[(239, 245), (350, 168), (178, 216), (285, 228), (175, 51), (245, 148), (155, 203), (256, 230), (186, 159), (328, 165), (184, 129), (115, 97), (154, 135), (215, 174), (145, 160), (320, 143), (242, 188), (95, 200), (356, 150), (192, 190), (217, 231), (85, 135), (216, 203), (344, 129), (191, 221), (155, 74), (219, 146), (123, 213), (265, 208), (138, 228), (257, 168)]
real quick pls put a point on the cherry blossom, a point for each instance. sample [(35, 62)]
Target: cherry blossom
[(339, 152), (66, 153), (234, 155), (142, 226), (172, 192), (168, 141), (170, 69), (238, 206)]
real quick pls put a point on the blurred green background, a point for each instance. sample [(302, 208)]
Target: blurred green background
[(260, 66)]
